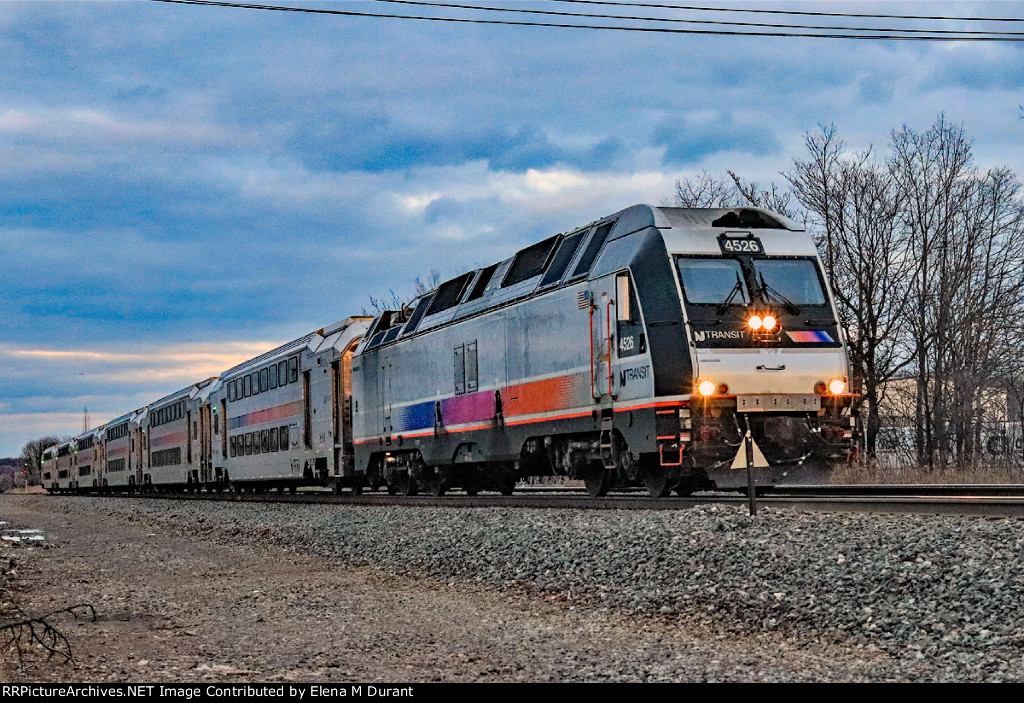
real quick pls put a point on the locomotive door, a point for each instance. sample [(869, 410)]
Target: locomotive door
[(602, 341), (515, 349), (385, 394)]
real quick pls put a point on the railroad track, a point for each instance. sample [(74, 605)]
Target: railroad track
[(952, 500)]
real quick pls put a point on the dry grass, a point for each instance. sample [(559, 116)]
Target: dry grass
[(863, 473)]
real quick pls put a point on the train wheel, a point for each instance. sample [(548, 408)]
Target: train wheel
[(357, 486), (292, 489), (685, 488), (410, 487), (508, 485), (659, 481), (434, 485), (597, 480)]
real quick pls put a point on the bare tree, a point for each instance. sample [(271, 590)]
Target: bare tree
[(852, 204), (32, 456), (707, 191), (420, 286)]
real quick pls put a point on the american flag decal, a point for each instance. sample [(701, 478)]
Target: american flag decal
[(583, 299)]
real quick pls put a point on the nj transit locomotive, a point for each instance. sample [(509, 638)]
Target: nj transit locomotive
[(636, 349)]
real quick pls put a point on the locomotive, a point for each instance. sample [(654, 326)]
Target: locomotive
[(638, 349)]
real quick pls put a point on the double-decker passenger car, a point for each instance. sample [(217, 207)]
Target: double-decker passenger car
[(48, 469), (640, 347), (87, 459), (283, 419), (173, 456), (119, 438)]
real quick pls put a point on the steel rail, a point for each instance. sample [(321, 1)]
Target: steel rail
[(963, 505)]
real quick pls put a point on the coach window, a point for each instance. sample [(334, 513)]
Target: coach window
[(284, 437), (460, 369), (471, 369), (248, 443), (245, 386), (293, 370), (264, 380), (273, 437), (265, 440), (231, 442), (255, 382), (282, 372), (273, 376)]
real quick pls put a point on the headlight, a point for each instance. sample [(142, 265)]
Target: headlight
[(836, 386), (706, 388), (768, 322), (755, 322)]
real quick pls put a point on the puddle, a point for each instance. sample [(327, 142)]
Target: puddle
[(26, 535)]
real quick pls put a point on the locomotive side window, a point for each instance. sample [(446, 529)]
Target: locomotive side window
[(713, 281), (530, 261), (471, 367), (460, 369), (563, 257), (417, 315), (481, 283), (631, 339), (592, 250), (449, 293)]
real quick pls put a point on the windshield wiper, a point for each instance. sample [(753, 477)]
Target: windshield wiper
[(767, 291), (738, 288)]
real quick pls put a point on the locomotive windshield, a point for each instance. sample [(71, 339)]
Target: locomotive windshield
[(713, 281), (795, 280), (724, 282)]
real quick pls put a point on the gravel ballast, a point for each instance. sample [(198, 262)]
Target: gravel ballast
[(931, 599)]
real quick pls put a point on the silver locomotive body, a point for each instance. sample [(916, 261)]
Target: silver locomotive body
[(585, 355)]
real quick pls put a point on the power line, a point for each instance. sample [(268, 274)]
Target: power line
[(693, 21), (793, 12), (651, 30)]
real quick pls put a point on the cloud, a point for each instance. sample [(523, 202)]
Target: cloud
[(687, 139)]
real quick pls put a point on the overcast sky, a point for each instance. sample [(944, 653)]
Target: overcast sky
[(184, 187)]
